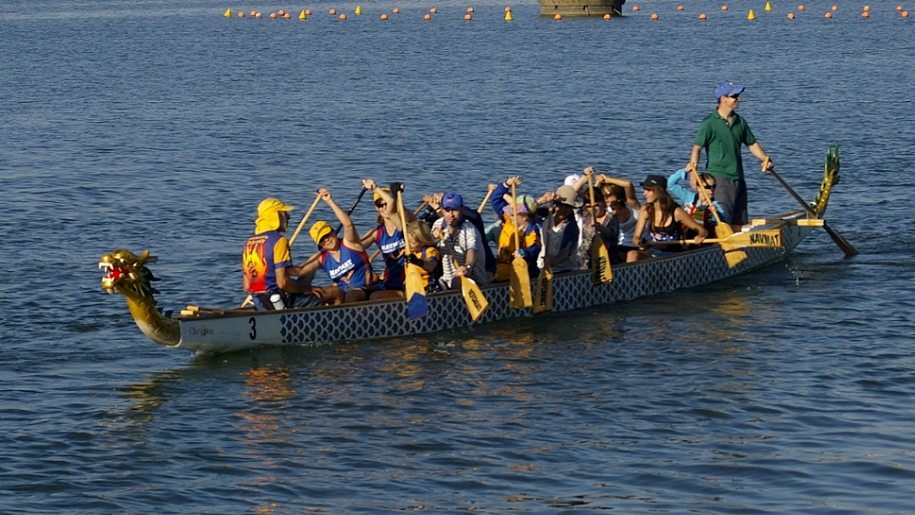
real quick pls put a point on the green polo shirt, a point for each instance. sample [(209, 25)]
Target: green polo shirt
[(722, 141)]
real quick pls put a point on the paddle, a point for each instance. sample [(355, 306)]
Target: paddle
[(519, 290), (473, 296), (722, 230), (544, 289), (414, 289), (485, 200), (769, 238), (601, 273), (841, 242)]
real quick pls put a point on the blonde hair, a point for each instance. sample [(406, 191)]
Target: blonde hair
[(419, 231)]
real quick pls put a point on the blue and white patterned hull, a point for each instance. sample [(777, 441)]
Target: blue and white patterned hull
[(383, 319)]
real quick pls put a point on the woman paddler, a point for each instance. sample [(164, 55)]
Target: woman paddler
[(388, 237), (529, 230), (664, 220), (424, 254), (345, 261)]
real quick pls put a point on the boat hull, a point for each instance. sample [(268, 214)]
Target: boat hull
[(388, 318)]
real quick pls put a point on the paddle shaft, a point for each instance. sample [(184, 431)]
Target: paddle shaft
[(485, 200), (304, 220), (704, 194), (515, 217)]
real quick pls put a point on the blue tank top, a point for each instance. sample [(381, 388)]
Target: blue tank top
[(391, 248), (351, 271)]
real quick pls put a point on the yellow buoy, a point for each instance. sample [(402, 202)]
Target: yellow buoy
[(702, 16), (508, 15), (228, 13), (302, 15), (768, 6), (751, 16), (358, 10)]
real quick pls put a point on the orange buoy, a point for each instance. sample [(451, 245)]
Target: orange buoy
[(800, 8), (557, 17), (829, 15), (508, 9), (342, 17), (253, 13), (607, 16), (287, 16), (427, 17), (867, 8), (835, 8), (702, 16), (395, 10), (724, 8), (273, 15), (433, 10), (384, 16), (241, 14), (635, 8), (470, 9), (790, 16), (898, 7), (654, 16), (281, 12), (259, 15), (679, 7), (468, 17), (865, 14), (332, 12), (905, 14), (307, 12)]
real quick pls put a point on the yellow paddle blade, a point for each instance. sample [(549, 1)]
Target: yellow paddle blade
[(723, 231), (519, 290), (601, 273), (543, 293), (473, 296), (413, 285), (734, 257)]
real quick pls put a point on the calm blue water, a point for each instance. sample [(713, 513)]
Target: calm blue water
[(161, 125)]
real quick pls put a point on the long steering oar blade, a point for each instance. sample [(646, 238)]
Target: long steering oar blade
[(841, 242), (601, 273), (722, 230), (414, 289)]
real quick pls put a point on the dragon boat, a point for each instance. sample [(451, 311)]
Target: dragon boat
[(212, 330)]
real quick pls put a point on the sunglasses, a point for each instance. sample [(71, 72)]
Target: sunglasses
[(734, 96), (380, 204), (710, 186)]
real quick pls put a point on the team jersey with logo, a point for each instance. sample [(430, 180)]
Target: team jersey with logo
[(263, 254), (351, 271), (391, 247)]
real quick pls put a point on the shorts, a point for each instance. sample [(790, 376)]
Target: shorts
[(732, 195)]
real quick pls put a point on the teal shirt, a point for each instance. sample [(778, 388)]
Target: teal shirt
[(722, 142)]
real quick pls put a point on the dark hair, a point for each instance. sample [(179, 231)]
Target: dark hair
[(668, 206), (598, 197)]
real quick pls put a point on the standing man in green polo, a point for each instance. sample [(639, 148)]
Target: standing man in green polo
[(721, 134)]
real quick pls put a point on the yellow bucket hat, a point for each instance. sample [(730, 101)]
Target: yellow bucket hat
[(268, 214), (319, 230)]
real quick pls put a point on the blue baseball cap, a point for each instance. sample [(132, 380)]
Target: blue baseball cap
[(452, 200), (727, 88)]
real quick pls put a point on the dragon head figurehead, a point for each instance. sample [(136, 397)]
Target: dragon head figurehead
[(127, 274), (830, 179)]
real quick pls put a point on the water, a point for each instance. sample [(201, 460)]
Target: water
[(160, 125)]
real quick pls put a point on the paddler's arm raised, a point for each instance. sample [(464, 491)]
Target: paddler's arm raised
[(631, 199), (350, 236)]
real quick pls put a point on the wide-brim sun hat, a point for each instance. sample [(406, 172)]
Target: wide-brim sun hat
[(566, 195)]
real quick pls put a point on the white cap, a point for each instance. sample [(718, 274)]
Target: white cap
[(571, 180)]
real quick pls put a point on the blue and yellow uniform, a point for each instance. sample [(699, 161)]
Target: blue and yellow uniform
[(351, 271), (392, 251)]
